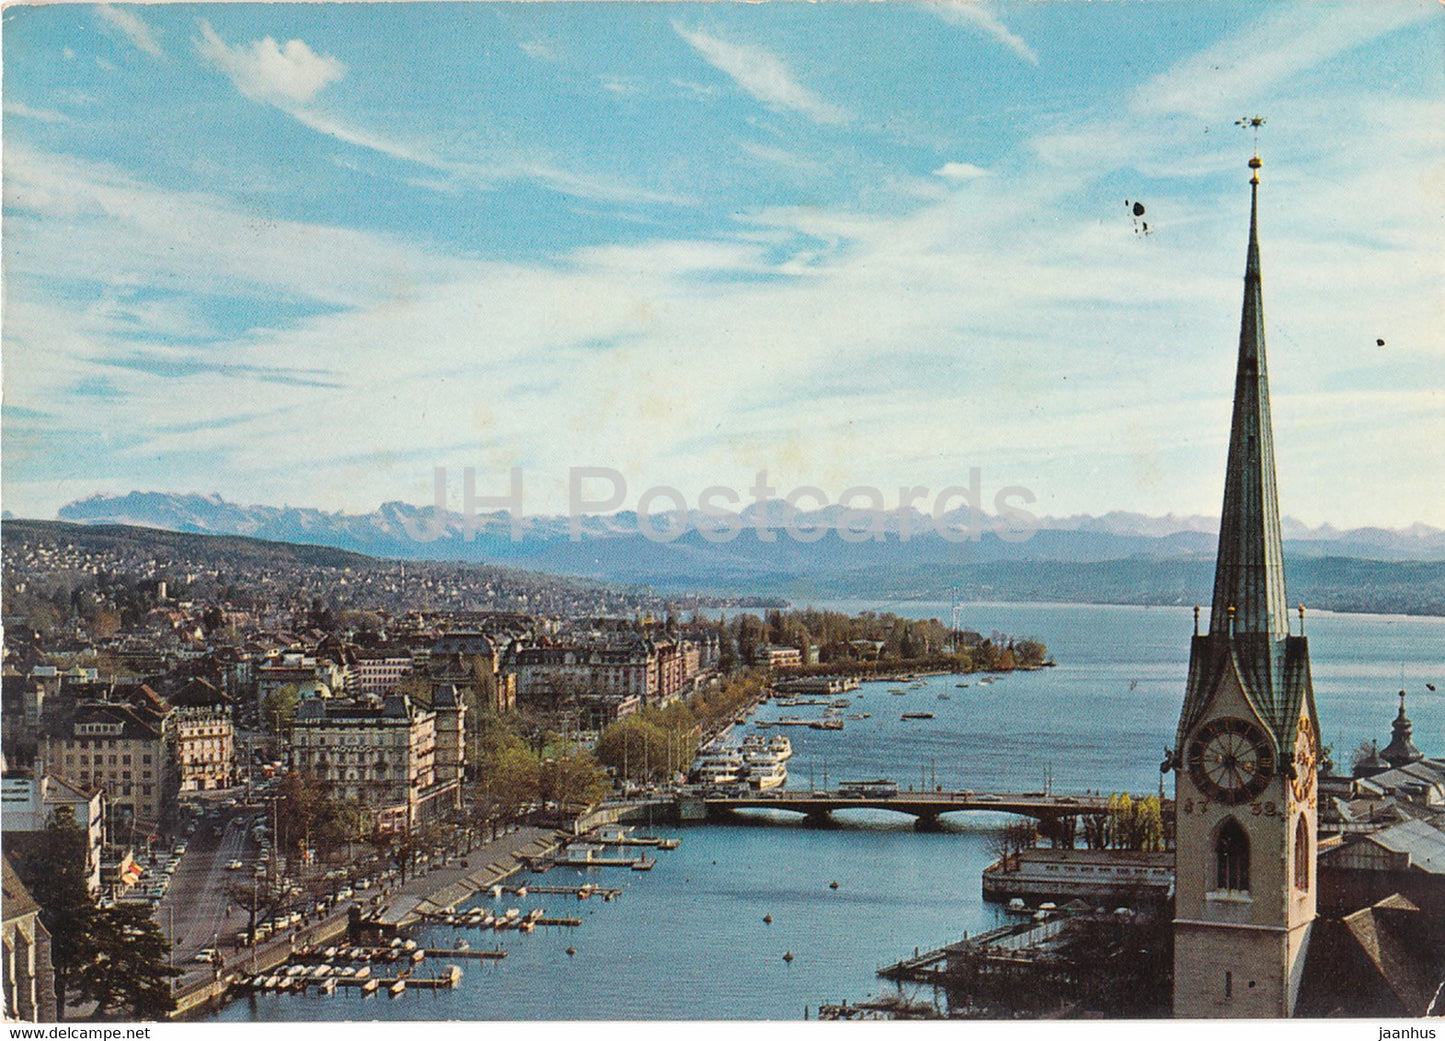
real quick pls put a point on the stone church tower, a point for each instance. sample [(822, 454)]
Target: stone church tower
[(1246, 750)]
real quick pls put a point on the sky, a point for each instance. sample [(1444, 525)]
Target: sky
[(307, 254)]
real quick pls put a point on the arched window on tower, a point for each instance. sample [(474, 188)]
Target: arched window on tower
[(1301, 854), (1231, 857)]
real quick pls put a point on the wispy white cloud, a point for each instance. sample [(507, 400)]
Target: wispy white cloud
[(291, 77), (542, 50), (45, 115), (1250, 66), (973, 14), (132, 26), (284, 75), (764, 76), (960, 171)]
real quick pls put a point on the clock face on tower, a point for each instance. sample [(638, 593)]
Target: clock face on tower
[(1230, 760), (1305, 761)]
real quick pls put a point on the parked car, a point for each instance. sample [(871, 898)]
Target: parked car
[(234, 865), (205, 954)]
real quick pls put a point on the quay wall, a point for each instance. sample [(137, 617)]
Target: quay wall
[(634, 812), (212, 993)]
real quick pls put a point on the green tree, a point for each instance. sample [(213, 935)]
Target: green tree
[(279, 708), (573, 779), (514, 777), (53, 869), (257, 896), (402, 847), (128, 976)]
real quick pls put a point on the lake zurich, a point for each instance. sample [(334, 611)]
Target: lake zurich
[(688, 940)]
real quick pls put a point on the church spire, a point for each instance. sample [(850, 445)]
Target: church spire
[(1249, 592)]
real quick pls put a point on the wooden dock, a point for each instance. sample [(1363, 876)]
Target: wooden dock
[(577, 891), (282, 984)]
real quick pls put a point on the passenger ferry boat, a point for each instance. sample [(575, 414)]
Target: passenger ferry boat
[(777, 745), (766, 771), (721, 768)]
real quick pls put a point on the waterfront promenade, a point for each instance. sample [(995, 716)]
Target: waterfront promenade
[(440, 887), (446, 885)]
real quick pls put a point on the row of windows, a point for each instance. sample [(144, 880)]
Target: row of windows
[(125, 760), (125, 788)]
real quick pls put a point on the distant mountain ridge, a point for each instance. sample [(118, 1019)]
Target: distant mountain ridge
[(1117, 558), (390, 530)]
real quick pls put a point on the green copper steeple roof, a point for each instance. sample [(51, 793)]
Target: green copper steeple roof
[(1248, 620), (1249, 571)]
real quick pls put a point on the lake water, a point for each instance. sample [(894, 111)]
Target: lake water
[(688, 941)]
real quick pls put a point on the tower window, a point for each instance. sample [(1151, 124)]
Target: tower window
[(1301, 855), (1231, 857)]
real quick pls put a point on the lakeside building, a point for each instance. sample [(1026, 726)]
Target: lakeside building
[(776, 657), (385, 754), (1095, 875), (205, 737), (125, 746), (609, 669)]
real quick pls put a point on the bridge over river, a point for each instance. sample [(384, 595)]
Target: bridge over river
[(924, 806)]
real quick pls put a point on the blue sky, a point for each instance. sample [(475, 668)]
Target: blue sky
[(304, 254)]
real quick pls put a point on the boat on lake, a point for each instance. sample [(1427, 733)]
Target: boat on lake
[(918, 715)]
